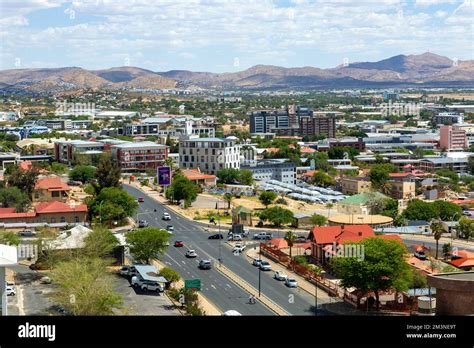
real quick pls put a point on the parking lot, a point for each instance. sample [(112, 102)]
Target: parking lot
[(138, 302), (34, 298)]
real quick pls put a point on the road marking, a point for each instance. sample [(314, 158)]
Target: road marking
[(228, 285), (183, 262), (212, 286), (168, 263)]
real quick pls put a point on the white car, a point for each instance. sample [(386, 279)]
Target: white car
[(166, 216), (231, 313), (238, 248), (256, 262), (147, 285), (191, 253), (10, 290), (265, 266), (280, 275), (291, 282)]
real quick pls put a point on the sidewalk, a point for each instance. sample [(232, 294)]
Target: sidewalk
[(442, 240)]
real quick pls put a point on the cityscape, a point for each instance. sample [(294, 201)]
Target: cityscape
[(302, 171)]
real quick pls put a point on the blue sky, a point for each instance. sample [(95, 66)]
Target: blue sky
[(228, 35)]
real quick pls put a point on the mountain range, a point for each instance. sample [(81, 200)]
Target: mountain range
[(427, 70)]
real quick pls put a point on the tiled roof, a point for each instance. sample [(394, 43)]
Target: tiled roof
[(59, 207), (340, 234), (195, 174), (51, 184)]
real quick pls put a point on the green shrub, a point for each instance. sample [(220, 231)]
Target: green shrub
[(301, 260)]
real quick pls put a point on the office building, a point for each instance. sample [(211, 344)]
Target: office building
[(272, 169), (448, 118), (139, 156), (452, 138)]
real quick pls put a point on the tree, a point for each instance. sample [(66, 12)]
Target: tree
[(448, 211), (228, 197), (277, 216), (437, 229), (246, 177), (107, 173), (147, 243), (101, 242), (13, 197), (85, 288), (465, 228), (420, 210), (419, 280), (170, 274), (9, 238), (382, 268), (322, 179), (337, 152), (182, 189), (112, 204), (228, 175), (318, 220), (379, 174), (267, 198), (290, 238), (447, 249), (84, 174), (24, 180)]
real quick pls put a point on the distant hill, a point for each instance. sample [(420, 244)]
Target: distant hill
[(427, 69)]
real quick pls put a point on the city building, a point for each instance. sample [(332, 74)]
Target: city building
[(458, 164), (209, 154), (65, 151), (318, 124), (272, 169), (56, 124), (267, 121), (448, 118), (452, 138), (138, 156), (358, 204), (113, 115)]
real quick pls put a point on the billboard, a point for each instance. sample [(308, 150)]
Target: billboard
[(164, 176)]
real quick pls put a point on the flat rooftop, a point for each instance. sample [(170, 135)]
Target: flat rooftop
[(456, 275)]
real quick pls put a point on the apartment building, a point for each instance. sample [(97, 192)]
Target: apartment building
[(138, 156), (318, 125), (209, 154), (154, 129), (272, 169), (447, 118), (354, 186), (452, 138), (267, 121), (456, 164), (66, 150)]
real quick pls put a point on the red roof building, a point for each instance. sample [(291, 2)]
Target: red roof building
[(50, 189), (198, 177), (47, 212)]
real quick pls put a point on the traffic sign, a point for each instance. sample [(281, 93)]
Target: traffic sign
[(192, 284)]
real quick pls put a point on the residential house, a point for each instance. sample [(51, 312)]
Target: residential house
[(50, 189), (358, 204), (199, 178)]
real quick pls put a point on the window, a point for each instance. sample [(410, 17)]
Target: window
[(76, 219), (63, 219), (55, 194), (53, 220)]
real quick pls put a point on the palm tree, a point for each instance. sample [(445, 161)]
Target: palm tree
[(228, 197), (437, 229), (290, 238)]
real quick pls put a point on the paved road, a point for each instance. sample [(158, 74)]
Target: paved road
[(219, 289), (431, 243)]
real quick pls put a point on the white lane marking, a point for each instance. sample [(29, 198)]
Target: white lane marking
[(183, 262), (212, 286), (228, 285), (168, 263)]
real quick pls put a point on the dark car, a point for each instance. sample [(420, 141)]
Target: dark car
[(141, 200), (216, 236), (27, 233), (74, 183), (300, 239), (142, 223), (205, 264), (178, 244)]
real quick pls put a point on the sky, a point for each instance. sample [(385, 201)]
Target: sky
[(228, 35)]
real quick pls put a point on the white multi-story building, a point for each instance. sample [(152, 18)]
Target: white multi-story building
[(209, 154)]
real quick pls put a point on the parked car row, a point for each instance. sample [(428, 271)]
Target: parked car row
[(278, 275)]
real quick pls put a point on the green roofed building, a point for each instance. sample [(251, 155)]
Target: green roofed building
[(359, 204)]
